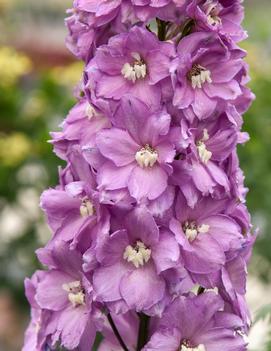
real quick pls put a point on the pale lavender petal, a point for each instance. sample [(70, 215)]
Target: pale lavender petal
[(158, 66), (71, 325), (166, 253), (111, 177), (225, 72), (229, 91), (202, 179), (106, 281), (88, 337), (116, 145), (203, 106), (164, 340), (150, 94), (142, 288), (207, 256), (225, 231), (148, 182), (112, 87), (222, 339), (218, 175), (166, 152), (141, 225), (183, 95), (50, 293)]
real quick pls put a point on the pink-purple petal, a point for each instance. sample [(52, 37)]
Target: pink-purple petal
[(142, 288), (147, 182)]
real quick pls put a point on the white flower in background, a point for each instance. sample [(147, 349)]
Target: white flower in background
[(12, 225), (259, 295), (259, 335)]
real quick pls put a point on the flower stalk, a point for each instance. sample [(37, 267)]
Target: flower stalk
[(143, 331), (162, 29), (149, 220), (116, 332)]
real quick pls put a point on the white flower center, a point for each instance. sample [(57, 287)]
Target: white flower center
[(146, 157), (75, 292), (198, 76), (137, 70), (90, 111), (243, 335), (212, 11), (138, 255), (204, 154), (192, 230), (87, 208), (213, 20), (198, 348)]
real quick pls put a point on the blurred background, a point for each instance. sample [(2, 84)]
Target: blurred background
[(33, 101)]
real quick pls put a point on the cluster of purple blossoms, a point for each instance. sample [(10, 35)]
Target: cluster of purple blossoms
[(151, 236)]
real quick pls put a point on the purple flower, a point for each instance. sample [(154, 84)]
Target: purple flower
[(221, 16), (207, 145), (168, 10), (151, 203), (92, 23), (81, 37), (132, 63), (205, 234), (233, 287), (233, 282), (200, 83), (131, 260), (67, 293), (80, 127), (196, 180), (89, 26), (139, 155), (213, 141), (35, 335), (75, 211), (202, 327), (153, 3)]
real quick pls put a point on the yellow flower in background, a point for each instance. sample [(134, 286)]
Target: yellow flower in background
[(34, 105), (68, 75), (13, 65), (14, 148), (4, 4), (258, 68)]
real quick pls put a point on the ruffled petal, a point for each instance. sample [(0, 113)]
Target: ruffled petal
[(50, 293)]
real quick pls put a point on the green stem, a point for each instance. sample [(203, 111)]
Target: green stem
[(143, 331), (162, 29), (187, 29)]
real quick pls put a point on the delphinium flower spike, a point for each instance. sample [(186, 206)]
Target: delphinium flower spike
[(151, 236)]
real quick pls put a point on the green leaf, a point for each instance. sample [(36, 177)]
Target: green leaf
[(263, 313)]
